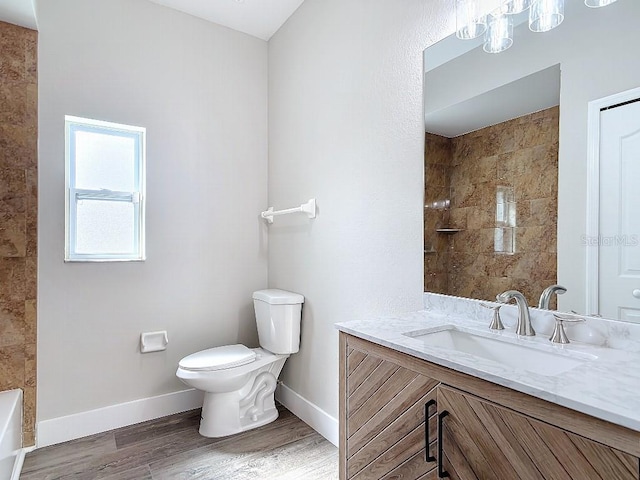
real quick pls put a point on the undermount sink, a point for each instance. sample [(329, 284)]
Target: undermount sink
[(509, 352)]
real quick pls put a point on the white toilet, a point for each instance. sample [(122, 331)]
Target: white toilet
[(239, 382)]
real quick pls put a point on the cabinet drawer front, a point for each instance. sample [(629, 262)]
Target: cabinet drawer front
[(483, 440)]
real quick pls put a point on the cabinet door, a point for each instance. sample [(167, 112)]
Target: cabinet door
[(482, 440), (385, 413)]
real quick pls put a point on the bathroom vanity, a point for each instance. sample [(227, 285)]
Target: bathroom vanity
[(414, 406)]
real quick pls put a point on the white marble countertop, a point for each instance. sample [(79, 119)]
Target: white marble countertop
[(607, 387)]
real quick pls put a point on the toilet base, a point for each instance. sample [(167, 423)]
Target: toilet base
[(225, 414), (215, 424)]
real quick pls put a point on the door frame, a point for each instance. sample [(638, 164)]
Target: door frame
[(593, 190)]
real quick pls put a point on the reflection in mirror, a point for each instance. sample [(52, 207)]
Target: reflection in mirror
[(491, 208), (491, 183), (486, 199)]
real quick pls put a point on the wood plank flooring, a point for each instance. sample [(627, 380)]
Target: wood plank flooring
[(171, 448)]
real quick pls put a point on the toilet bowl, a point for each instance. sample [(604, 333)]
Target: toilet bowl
[(239, 382)]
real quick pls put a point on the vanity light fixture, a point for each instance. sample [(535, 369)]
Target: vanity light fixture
[(499, 34), (493, 18), (471, 19), (545, 15)]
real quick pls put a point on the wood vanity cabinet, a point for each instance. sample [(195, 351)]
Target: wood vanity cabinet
[(390, 403)]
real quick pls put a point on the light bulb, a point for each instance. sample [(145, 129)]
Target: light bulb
[(545, 15), (471, 22), (499, 34)]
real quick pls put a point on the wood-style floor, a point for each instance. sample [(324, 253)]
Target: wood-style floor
[(172, 448)]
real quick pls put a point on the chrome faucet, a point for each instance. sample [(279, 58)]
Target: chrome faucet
[(545, 298), (559, 335), (524, 320)]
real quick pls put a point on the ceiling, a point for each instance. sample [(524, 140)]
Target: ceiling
[(260, 18), (497, 105), (18, 12)]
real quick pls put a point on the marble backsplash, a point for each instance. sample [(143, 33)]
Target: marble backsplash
[(594, 330), (18, 216)]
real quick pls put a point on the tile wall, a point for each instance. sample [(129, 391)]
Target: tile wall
[(502, 184), (18, 215)]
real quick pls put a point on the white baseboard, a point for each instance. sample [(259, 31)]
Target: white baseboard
[(311, 414), (78, 425)]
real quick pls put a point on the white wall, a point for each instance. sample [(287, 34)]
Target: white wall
[(346, 127), (201, 92)]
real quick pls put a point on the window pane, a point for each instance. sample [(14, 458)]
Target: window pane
[(105, 227), (105, 160)]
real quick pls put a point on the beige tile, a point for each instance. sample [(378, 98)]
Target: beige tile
[(13, 225), (437, 175), (465, 241), (31, 56), (536, 239), (13, 183), (436, 262), (12, 279), (13, 59), (18, 146), (436, 194), (30, 321), (31, 111), (31, 280), (12, 323), (463, 149), (463, 195), (483, 216), (28, 439), (31, 212), (13, 103), (29, 415), (11, 367), (436, 282), (501, 265), (18, 215), (437, 149), (458, 217), (30, 366)]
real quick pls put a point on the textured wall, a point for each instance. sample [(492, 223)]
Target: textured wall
[(520, 157), (345, 126), (201, 91), (438, 159), (18, 215)]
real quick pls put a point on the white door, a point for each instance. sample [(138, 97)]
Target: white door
[(619, 240)]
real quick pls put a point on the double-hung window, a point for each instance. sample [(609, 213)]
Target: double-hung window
[(105, 173)]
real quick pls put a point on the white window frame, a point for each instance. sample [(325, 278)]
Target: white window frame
[(73, 194)]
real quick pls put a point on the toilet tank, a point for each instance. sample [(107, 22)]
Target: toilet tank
[(278, 314)]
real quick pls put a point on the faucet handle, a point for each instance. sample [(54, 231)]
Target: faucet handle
[(496, 321), (559, 335)]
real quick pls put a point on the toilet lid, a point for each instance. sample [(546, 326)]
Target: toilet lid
[(218, 358)]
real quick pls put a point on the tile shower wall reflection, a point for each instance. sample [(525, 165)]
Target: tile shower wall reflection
[(491, 208), (18, 215)]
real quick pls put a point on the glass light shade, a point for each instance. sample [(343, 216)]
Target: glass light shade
[(470, 21), (598, 3), (513, 7), (545, 15), (499, 34)]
